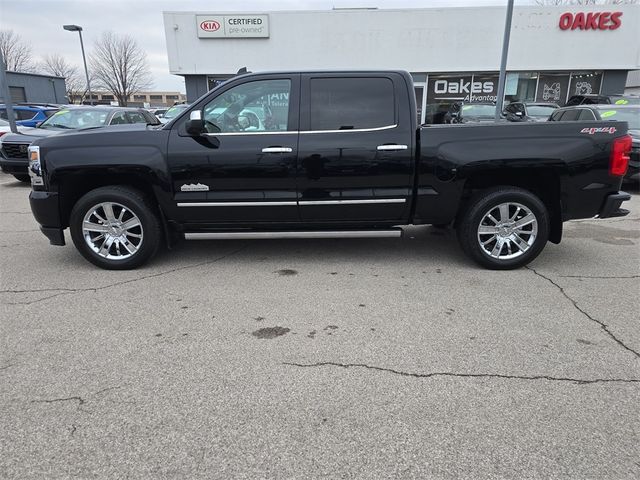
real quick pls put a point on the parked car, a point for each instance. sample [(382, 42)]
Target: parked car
[(622, 113), (13, 153), (173, 112), (5, 128), (345, 159), (158, 112), (603, 99), (529, 111), (475, 113), (29, 115)]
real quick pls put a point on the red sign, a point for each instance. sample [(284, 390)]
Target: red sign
[(590, 21), (210, 26)]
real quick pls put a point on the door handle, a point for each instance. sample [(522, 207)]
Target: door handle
[(277, 150), (391, 148)]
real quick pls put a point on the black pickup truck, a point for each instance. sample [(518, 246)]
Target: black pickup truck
[(323, 154)]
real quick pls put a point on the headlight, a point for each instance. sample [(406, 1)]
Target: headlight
[(35, 172)]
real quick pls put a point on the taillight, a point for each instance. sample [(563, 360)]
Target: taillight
[(619, 159)]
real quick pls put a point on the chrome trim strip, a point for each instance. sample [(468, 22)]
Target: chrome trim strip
[(236, 204), (351, 202), (309, 234), (275, 132), (386, 127), (293, 203), (280, 132)]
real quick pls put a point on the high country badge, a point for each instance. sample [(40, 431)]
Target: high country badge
[(194, 187)]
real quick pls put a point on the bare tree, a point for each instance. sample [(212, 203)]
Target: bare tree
[(56, 65), (120, 66), (16, 52)]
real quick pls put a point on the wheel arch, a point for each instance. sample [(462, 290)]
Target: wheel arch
[(73, 185), (544, 183)]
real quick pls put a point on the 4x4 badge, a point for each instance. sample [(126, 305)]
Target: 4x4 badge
[(194, 187)]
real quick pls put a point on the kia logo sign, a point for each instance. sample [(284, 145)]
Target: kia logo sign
[(210, 26), (590, 21)]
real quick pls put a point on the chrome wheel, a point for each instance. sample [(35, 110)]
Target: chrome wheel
[(507, 231), (112, 231)]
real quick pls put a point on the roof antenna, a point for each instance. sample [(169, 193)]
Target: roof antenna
[(242, 71)]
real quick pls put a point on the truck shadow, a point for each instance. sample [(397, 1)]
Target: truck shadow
[(428, 245)]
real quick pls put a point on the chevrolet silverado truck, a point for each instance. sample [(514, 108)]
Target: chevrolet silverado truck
[(323, 154)]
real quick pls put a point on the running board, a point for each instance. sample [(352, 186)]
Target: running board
[(301, 234)]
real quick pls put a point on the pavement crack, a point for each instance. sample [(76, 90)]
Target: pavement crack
[(106, 390), (603, 325), (596, 276), (4, 367), (68, 291), (578, 381), (80, 400)]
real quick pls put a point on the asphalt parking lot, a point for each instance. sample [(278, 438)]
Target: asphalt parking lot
[(377, 358)]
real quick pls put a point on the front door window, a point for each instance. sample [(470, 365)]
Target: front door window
[(260, 106)]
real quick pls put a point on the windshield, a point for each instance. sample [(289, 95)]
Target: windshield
[(631, 115), (625, 100), (478, 110), (78, 118), (540, 110), (175, 111)]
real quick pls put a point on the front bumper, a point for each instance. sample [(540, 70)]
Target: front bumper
[(611, 207), (9, 165), (44, 206)]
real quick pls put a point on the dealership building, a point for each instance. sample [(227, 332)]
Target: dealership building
[(453, 54)]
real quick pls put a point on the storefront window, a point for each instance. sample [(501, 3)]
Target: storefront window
[(520, 87), (213, 82), (585, 83), (445, 93), (553, 88)]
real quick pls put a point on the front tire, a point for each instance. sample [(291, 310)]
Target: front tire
[(115, 228), (504, 228), (22, 177)]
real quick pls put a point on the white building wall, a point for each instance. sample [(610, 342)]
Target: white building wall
[(417, 40)]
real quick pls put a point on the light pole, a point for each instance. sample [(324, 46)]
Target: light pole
[(503, 61), (78, 28)]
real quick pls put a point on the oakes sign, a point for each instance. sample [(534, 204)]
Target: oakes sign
[(590, 21), (232, 26), (476, 88)]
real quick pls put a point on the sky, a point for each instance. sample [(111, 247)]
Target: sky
[(39, 22)]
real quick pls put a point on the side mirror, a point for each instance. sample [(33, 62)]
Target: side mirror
[(38, 124), (195, 124)]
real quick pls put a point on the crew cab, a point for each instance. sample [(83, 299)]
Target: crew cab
[(341, 155)]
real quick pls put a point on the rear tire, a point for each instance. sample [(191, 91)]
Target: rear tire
[(22, 177), (504, 228), (115, 228)]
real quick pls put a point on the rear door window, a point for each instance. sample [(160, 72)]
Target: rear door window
[(351, 103), (557, 116), (25, 114), (571, 115), (586, 114), (136, 117), (119, 118)]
